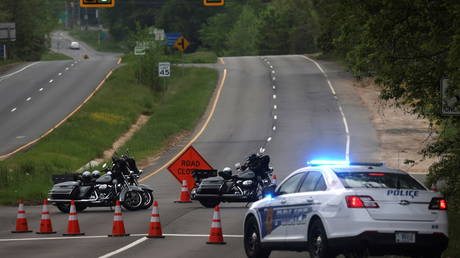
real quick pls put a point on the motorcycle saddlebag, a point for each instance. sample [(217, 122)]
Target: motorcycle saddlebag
[(65, 190), (210, 185)]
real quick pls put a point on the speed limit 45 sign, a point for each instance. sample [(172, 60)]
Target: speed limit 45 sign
[(164, 69)]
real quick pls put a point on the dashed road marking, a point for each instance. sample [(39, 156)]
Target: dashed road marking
[(273, 71), (269, 139), (59, 74), (274, 87), (51, 81), (274, 78), (274, 128), (67, 68), (14, 109), (20, 137), (28, 99), (275, 107), (275, 117), (274, 96), (41, 89)]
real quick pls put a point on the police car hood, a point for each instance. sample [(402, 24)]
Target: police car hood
[(401, 204)]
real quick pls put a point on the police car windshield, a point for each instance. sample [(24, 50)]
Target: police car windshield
[(378, 180)]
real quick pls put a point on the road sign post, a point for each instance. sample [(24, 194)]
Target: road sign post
[(449, 104), (164, 71), (185, 164)]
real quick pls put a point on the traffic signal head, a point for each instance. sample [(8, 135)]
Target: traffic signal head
[(97, 3), (213, 2)]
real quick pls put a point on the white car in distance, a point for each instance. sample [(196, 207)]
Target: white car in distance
[(356, 209), (74, 45)]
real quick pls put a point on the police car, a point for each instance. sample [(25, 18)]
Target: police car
[(355, 209)]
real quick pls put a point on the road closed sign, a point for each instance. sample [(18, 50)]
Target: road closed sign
[(185, 164)]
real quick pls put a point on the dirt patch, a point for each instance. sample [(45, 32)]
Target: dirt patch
[(124, 138), (401, 135)]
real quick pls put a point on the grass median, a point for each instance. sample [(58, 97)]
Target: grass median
[(104, 119)]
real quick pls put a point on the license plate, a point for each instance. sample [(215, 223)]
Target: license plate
[(405, 237)]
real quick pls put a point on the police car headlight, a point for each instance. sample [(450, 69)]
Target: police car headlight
[(247, 182)]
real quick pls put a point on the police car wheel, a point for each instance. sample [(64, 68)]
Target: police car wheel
[(252, 244), (317, 241)]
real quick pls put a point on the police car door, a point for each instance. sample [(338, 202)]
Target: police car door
[(303, 203), (274, 215)]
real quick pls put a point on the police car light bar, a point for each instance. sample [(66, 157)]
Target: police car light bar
[(328, 162)]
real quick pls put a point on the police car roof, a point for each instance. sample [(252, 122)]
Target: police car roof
[(351, 169)]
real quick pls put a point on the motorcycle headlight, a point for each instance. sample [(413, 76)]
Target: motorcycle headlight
[(247, 182)]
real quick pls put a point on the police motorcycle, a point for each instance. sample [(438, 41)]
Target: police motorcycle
[(132, 179), (93, 190), (247, 185)]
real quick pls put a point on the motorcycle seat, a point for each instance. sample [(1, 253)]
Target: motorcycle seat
[(246, 175)]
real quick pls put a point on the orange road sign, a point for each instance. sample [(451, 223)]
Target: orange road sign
[(181, 44), (185, 164), (97, 3)]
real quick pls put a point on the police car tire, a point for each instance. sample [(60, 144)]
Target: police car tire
[(256, 251), (317, 230)]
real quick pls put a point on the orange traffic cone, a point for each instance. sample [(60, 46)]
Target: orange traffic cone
[(274, 179), (45, 222), (73, 228), (118, 227), (215, 236), (21, 221), (155, 225), (184, 193)]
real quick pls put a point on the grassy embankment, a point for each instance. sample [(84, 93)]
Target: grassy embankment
[(90, 37), (101, 121), (54, 56)]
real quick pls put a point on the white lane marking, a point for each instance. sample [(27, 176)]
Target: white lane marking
[(20, 137), (28, 99), (274, 128), (67, 68), (275, 107), (273, 71), (72, 64), (274, 78), (59, 74), (274, 96), (271, 66), (275, 117), (344, 118), (124, 248), (269, 139), (274, 87), (51, 81), (14, 109), (41, 89), (18, 71)]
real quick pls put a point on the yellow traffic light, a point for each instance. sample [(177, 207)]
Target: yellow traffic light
[(213, 2), (97, 3)]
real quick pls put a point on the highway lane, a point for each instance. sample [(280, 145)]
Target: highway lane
[(35, 99), (308, 125)]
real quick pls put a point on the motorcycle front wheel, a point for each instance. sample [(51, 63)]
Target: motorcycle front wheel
[(147, 199), (133, 200)]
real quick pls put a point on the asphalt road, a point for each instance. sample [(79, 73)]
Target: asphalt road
[(281, 103), (34, 97)]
